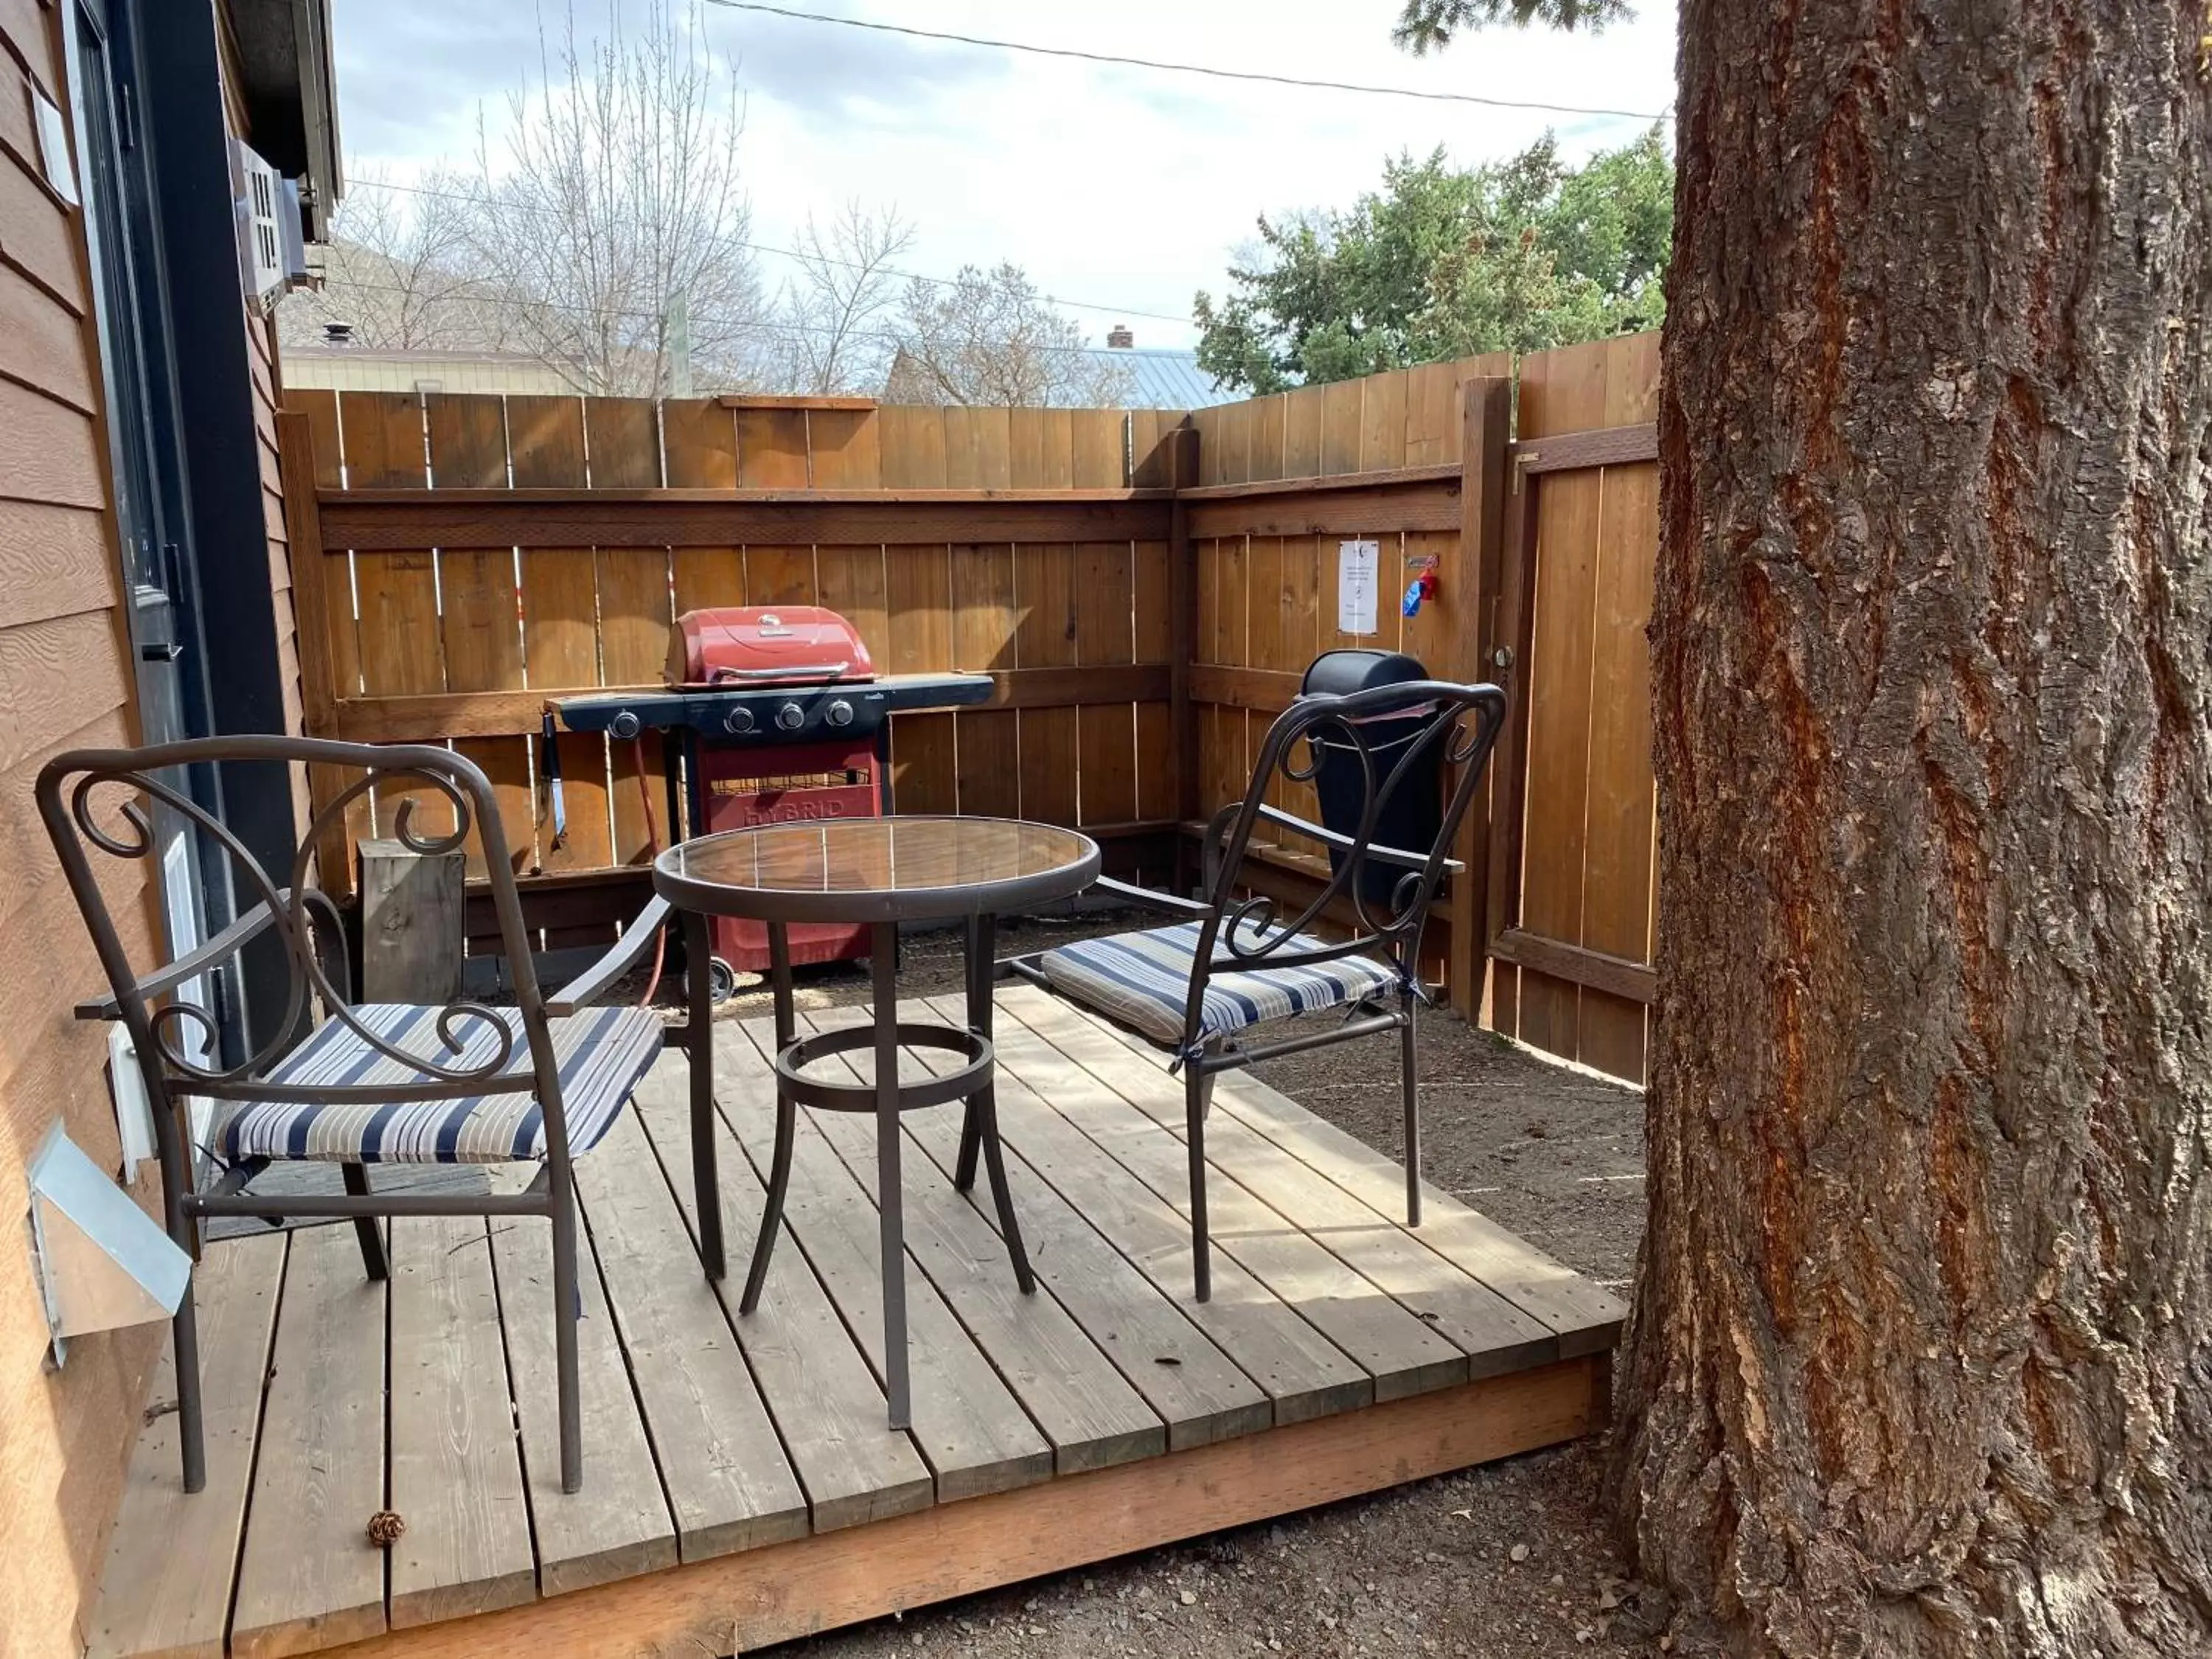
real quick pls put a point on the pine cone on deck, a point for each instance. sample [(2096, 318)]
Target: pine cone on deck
[(385, 1528)]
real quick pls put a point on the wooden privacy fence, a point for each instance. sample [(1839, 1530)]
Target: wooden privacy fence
[(1145, 588), (464, 559)]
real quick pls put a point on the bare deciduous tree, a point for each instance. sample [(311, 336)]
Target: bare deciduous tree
[(991, 337), (399, 269), (616, 230), (833, 338)]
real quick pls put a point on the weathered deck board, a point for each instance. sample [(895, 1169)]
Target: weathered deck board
[(1399, 1351), (829, 1407), (1585, 1315), (721, 1439), (1086, 1409), (310, 1578), (1304, 1373), (618, 1525), (1198, 1391), (456, 1468), (967, 1423), (727, 1480), (165, 1590), (1495, 1335)]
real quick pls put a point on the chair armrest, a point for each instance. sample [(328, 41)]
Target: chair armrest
[(193, 962), (1328, 837), (1188, 907), (591, 985)]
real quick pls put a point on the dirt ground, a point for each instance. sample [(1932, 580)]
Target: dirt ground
[(1513, 1559)]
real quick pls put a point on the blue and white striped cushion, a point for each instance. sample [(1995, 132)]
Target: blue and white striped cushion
[(1143, 979), (603, 1051)]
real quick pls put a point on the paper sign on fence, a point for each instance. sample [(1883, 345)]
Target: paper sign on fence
[(1358, 578)]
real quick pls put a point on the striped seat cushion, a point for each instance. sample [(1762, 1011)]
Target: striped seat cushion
[(1143, 981), (603, 1053)]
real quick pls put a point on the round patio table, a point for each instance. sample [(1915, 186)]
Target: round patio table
[(879, 872)]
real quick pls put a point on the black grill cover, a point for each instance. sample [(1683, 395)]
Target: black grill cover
[(1411, 815)]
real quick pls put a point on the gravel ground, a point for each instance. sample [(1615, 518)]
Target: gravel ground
[(1512, 1558)]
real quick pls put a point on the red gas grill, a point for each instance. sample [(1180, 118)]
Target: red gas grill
[(778, 714)]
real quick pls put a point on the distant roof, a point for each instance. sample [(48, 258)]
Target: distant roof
[(1164, 378)]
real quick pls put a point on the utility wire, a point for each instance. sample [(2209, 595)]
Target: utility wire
[(1186, 68), (783, 252)]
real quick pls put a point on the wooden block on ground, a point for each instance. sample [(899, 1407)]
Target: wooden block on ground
[(828, 1406), (456, 1473), (310, 1578), (726, 1477), (411, 921), (165, 1590)]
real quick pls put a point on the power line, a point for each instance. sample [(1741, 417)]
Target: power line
[(1187, 68), (784, 253), (767, 325)]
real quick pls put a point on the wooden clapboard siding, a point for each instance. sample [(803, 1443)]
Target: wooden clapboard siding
[(65, 680), (742, 1485)]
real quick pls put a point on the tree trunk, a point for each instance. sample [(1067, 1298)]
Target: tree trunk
[(1921, 1359)]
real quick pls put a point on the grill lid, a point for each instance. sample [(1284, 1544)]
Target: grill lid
[(739, 646)]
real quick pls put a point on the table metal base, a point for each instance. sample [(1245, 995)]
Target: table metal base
[(886, 1097)]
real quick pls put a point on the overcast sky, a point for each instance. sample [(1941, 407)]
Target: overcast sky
[(1122, 190)]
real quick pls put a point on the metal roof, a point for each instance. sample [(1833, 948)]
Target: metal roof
[(1164, 378)]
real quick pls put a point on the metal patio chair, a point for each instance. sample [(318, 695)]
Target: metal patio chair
[(1193, 987), (465, 1083)]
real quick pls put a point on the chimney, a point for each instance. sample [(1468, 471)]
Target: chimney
[(1119, 339), (337, 334)]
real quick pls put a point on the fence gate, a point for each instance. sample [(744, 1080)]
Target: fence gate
[(1568, 903)]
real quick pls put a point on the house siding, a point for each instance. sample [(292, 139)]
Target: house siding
[(65, 681)]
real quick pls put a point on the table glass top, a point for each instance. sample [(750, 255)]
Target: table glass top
[(878, 855)]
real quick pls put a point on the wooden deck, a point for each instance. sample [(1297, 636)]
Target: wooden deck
[(741, 1484)]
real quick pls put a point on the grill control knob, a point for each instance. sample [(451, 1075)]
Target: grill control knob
[(737, 721), (624, 725), (839, 713), (790, 717)]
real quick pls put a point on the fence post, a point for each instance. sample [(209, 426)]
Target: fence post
[(311, 625), (1486, 418), (1182, 647)]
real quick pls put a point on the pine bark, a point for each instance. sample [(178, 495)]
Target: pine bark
[(1921, 1355)]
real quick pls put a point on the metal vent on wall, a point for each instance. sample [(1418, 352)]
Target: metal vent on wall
[(271, 254)]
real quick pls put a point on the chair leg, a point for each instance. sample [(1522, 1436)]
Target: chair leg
[(778, 1183), (190, 1433), (1410, 1082), (368, 1229), (706, 1175), (567, 1311), (979, 947), (984, 1107), (1197, 1095)]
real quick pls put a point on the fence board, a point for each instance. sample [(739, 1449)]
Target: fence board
[(466, 635)]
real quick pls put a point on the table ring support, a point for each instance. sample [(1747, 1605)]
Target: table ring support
[(885, 1096)]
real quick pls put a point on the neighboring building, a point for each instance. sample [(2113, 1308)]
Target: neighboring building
[(364, 368), (141, 525), (1160, 378), (1148, 377)]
